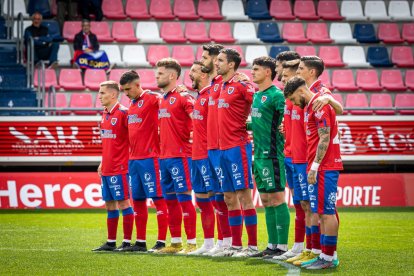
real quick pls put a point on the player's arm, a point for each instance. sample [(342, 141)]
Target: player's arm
[(100, 169), (325, 99), (324, 134)]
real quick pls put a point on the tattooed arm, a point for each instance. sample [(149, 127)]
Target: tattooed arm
[(324, 137)]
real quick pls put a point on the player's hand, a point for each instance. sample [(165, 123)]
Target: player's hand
[(320, 102), (181, 88), (281, 128), (312, 177), (100, 170), (241, 77)]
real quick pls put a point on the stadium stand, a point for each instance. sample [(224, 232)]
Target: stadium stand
[(137, 9), (328, 10), (209, 10), (220, 32), (123, 32), (343, 80), (269, 32), (157, 52), (409, 79), (81, 100), (378, 56), (318, 33), (134, 55), (148, 32), (389, 33), (376, 11), (281, 10), (367, 80), (161, 9), (172, 32), (113, 9), (196, 32), (184, 54), (70, 29), (352, 10), (392, 80), (50, 78), (233, 10), (354, 56), (331, 56), (306, 50), (258, 9), (305, 10), (71, 79), (101, 29), (357, 101), (185, 10), (365, 33), (381, 101), (399, 10), (93, 78), (408, 32), (245, 32), (341, 33), (294, 33), (403, 101), (402, 56), (275, 50)]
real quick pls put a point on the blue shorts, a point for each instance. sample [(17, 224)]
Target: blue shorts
[(236, 164), (201, 176), (289, 171), (323, 194), (115, 187), (300, 182), (217, 177), (175, 175), (144, 178)]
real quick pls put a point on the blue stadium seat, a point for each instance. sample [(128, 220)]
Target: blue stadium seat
[(24, 98), (378, 56), (365, 33), (275, 50), (54, 30), (8, 55), (258, 9), (269, 32), (12, 77), (3, 30), (41, 6)]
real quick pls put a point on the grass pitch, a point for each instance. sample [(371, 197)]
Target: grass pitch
[(59, 242)]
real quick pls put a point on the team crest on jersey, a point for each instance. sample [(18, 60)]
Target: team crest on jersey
[(230, 91), (203, 101), (113, 121), (264, 98), (216, 87), (172, 100), (319, 114), (140, 103)]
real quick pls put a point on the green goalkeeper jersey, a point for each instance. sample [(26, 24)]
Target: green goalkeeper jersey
[(267, 115)]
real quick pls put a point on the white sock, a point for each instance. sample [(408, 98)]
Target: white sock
[(126, 241), (141, 240), (283, 247), (316, 251), (327, 257), (192, 241), (176, 240), (252, 247), (161, 241), (219, 243), (271, 246), (226, 242), (208, 243), (297, 247), (335, 256)]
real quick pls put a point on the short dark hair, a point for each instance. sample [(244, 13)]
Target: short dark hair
[(232, 56), (292, 85), (291, 64), (287, 55), (128, 77), (267, 62), (170, 63), (86, 21), (203, 68), (314, 62), (213, 49)]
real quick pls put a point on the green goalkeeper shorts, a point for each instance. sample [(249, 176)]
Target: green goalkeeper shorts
[(269, 174)]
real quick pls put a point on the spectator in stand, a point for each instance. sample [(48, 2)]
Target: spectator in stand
[(91, 6), (44, 46), (66, 11)]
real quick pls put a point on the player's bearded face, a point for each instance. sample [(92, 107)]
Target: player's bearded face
[(279, 70), (194, 76), (221, 64), (302, 103), (162, 78)]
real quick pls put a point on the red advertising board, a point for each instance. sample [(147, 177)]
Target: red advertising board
[(83, 190)]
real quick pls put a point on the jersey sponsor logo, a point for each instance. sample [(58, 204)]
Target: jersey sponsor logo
[(203, 169), (114, 179), (263, 99), (211, 101), (175, 170), (133, 118), (222, 104), (113, 121), (202, 101), (300, 177), (287, 111), (107, 133), (147, 176), (265, 172), (163, 113), (311, 188), (216, 87), (230, 90), (256, 113), (172, 100), (295, 115), (234, 167), (140, 103), (332, 198), (197, 115)]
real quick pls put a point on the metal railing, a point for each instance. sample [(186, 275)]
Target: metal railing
[(30, 63)]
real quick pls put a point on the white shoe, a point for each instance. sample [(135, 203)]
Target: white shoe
[(228, 252), (201, 251), (247, 252), (216, 249), (287, 255)]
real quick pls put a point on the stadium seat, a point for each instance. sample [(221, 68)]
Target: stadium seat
[(187, 81), (408, 32), (275, 50), (326, 80), (113, 9), (254, 51), (134, 55), (98, 103), (357, 101), (137, 9), (240, 50), (64, 55), (26, 23), (367, 80), (294, 33), (354, 56), (93, 78), (404, 100), (258, 10), (281, 10), (245, 32), (53, 30), (318, 33), (376, 11), (157, 52), (380, 101), (61, 102), (378, 56), (402, 56), (328, 10), (209, 10), (71, 79), (50, 78), (199, 52), (161, 9), (70, 29), (399, 10), (114, 54), (331, 56), (365, 33), (147, 79), (343, 80), (116, 74), (338, 97), (305, 10), (147, 32), (82, 100), (341, 33), (18, 7), (196, 32), (352, 10), (389, 33), (42, 6), (101, 29), (392, 80), (307, 50), (123, 31), (184, 54), (220, 32), (185, 10), (409, 79), (172, 32), (125, 101), (269, 32), (233, 10)]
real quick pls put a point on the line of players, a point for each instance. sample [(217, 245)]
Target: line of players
[(164, 166)]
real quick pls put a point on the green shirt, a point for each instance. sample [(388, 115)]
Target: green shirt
[(267, 115)]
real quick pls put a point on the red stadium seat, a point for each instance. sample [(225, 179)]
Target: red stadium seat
[(392, 80), (326, 79), (220, 32), (116, 74), (71, 79), (328, 10), (123, 31), (70, 29), (240, 50), (409, 79), (157, 52), (357, 101), (61, 102), (402, 56), (196, 32), (147, 79), (382, 100), (172, 32), (101, 29), (184, 54), (306, 50), (294, 33), (367, 80), (187, 81), (305, 10), (82, 100), (185, 10), (331, 56), (50, 78), (281, 10), (125, 101), (113, 9), (389, 33), (209, 10), (318, 33), (98, 103), (343, 80), (199, 52), (248, 73), (161, 9), (338, 97), (137, 9), (93, 78), (408, 32), (404, 100)]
